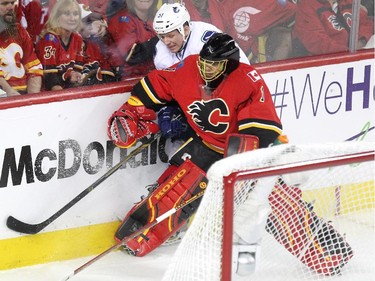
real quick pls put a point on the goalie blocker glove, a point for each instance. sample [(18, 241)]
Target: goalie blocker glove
[(186, 181), (131, 122)]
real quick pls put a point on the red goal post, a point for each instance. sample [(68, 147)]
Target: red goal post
[(335, 180), (229, 183)]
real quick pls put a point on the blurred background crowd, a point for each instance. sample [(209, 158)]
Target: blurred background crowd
[(59, 44)]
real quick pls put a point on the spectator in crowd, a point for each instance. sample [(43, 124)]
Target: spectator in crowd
[(323, 26), (99, 7), (210, 11), (20, 70), (113, 7), (36, 14), (263, 28), (60, 48), (102, 60), (106, 8), (132, 26), (369, 6)]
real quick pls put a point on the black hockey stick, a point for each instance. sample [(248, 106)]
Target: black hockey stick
[(161, 149), (136, 233), (23, 227)]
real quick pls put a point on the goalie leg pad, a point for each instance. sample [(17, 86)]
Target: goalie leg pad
[(185, 182), (296, 226)]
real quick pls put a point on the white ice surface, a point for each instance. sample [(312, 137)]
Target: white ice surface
[(112, 267)]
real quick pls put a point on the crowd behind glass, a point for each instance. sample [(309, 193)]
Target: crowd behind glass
[(59, 44)]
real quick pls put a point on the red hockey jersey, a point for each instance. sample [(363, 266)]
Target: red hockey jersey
[(322, 31), (216, 15), (36, 14), (127, 29), (18, 59), (58, 59), (253, 18), (241, 103), (95, 57)]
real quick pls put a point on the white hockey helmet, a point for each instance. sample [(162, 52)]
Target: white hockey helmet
[(171, 17)]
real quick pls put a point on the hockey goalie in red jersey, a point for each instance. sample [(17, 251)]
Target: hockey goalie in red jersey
[(229, 109), (219, 96)]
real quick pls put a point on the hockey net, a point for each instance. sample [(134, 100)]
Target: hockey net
[(302, 208)]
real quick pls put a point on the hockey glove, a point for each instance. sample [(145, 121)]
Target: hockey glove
[(90, 71), (142, 52), (172, 122), (66, 75), (130, 123)]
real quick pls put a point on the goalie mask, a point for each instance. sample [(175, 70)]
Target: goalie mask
[(218, 58)]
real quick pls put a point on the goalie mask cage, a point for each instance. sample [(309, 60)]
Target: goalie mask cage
[(334, 181)]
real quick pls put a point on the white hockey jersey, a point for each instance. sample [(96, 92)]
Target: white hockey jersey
[(200, 33)]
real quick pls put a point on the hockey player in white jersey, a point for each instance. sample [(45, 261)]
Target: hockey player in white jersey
[(180, 37)]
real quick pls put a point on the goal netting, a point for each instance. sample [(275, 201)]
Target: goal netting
[(298, 212)]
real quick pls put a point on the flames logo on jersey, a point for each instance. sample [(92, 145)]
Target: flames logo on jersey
[(339, 25), (335, 23), (210, 116), (11, 61)]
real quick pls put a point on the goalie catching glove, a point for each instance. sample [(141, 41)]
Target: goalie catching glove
[(130, 123), (185, 182)]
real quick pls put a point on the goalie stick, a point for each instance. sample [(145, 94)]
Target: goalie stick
[(136, 234), (23, 227)]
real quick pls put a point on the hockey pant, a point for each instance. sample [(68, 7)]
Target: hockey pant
[(186, 181), (312, 240)]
